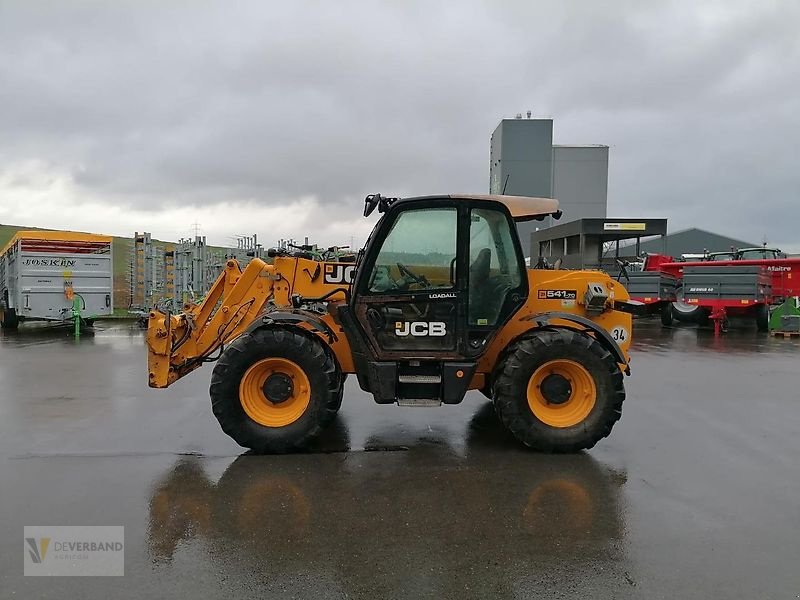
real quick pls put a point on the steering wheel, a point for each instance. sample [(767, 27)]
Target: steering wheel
[(406, 273)]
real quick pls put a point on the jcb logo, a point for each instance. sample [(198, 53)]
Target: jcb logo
[(338, 273), (420, 328)]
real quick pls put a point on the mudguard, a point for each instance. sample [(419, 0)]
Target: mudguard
[(602, 336), (293, 317)]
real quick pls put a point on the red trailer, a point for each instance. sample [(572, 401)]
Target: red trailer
[(741, 286), (653, 289)]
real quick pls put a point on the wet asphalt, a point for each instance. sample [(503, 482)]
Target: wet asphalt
[(696, 494)]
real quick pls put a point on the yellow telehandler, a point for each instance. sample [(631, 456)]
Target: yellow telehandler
[(438, 302)]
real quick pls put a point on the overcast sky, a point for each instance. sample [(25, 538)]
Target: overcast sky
[(277, 118)]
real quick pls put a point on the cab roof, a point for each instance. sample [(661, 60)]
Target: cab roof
[(759, 249), (522, 208)]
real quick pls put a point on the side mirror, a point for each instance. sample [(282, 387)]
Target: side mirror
[(370, 203)]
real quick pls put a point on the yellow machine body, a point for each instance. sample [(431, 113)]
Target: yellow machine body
[(178, 344)]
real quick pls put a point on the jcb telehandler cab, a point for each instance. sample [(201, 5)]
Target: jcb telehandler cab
[(439, 302)]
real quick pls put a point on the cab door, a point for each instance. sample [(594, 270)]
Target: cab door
[(410, 300), (497, 283)]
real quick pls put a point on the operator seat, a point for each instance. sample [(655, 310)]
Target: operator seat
[(480, 268), (479, 294)]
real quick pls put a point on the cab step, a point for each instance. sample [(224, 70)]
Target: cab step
[(419, 379), (418, 402)]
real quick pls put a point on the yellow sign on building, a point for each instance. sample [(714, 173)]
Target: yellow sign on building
[(624, 226)]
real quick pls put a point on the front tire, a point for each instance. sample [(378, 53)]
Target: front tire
[(9, 319), (558, 391), (275, 389)]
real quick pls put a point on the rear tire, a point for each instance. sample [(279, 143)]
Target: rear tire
[(762, 317), (666, 314), (686, 313), (9, 319), (241, 405), (595, 393)]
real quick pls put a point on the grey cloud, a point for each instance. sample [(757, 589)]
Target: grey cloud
[(202, 102)]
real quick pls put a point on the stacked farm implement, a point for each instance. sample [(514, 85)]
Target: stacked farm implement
[(737, 286)]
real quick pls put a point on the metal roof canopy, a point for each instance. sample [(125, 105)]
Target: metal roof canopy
[(55, 237), (580, 243)]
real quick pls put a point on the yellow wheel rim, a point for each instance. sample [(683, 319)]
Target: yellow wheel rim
[(255, 402), (575, 401)]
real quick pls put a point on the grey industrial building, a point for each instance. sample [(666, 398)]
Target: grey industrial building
[(693, 241), (524, 162), (580, 181)]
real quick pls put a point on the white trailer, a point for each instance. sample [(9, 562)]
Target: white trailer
[(43, 272)]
